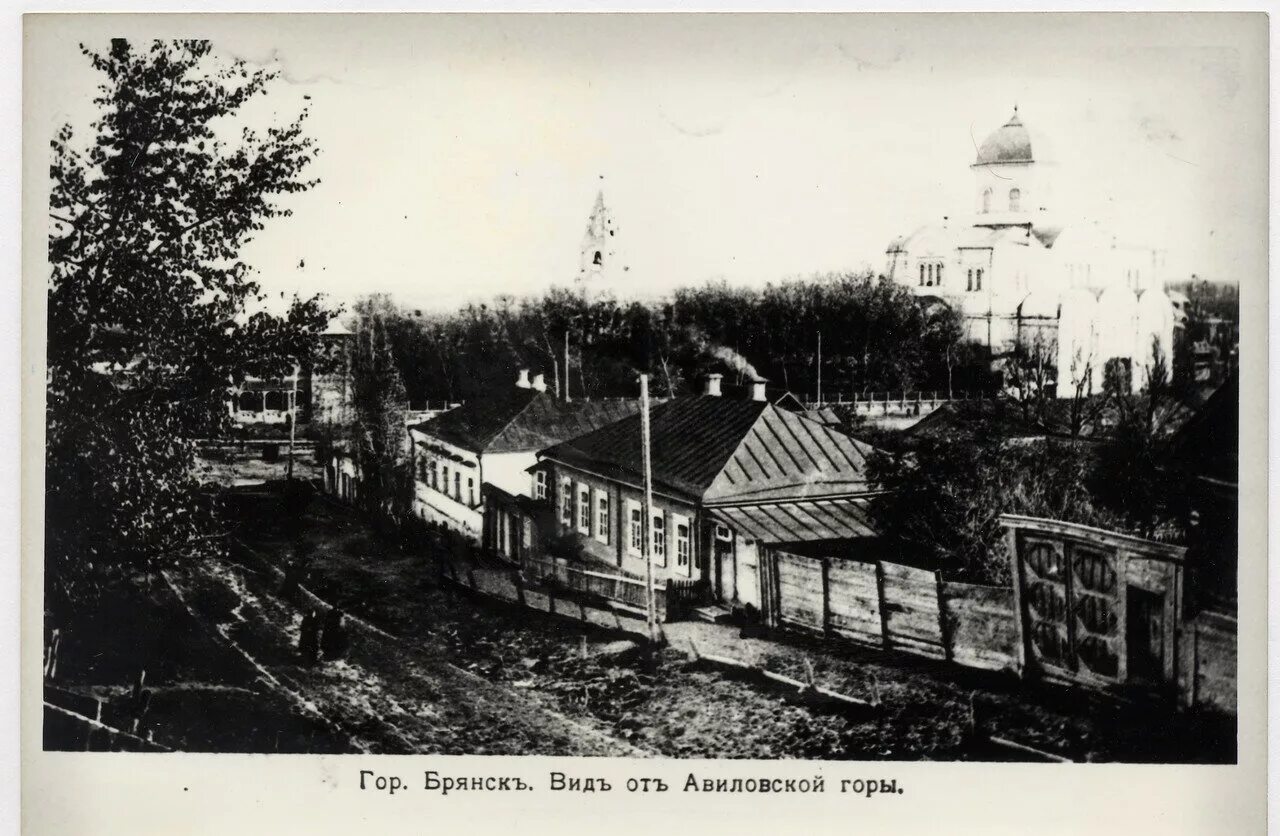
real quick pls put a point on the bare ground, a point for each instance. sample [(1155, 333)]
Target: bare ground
[(675, 708)]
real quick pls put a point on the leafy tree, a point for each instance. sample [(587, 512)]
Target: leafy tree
[(1130, 478), (149, 301), (379, 401), (944, 498)]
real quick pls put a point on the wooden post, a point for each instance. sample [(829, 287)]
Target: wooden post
[(944, 629), (884, 613), (826, 594), (646, 548), (819, 369), (1020, 617), (293, 422)]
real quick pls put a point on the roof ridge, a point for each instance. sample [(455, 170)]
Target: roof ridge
[(533, 397)]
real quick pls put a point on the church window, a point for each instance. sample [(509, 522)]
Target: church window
[(939, 275), (986, 201), (969, 280), (1015, 200), (977, 279), (922, 275), (929, 282), (598, 260)]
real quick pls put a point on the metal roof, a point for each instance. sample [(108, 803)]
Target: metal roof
[(1008, 144), (718, 449), (520, 420), (799, 522)]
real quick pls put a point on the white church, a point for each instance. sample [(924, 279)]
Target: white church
[(1018, 273)]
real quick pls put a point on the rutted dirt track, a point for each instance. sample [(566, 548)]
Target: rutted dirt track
[(387, 695)]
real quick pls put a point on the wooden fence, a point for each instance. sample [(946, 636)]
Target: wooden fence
[(615, 587), (894, 606), (1209, 664)]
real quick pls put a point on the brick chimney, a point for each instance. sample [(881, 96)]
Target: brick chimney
[(522, 382), (757, 389), (539, 382), (712, 387)]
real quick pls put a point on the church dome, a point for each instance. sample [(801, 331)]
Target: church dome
[(1011, 143)]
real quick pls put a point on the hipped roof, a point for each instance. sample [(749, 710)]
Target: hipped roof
[(521, 420), (720, 450)]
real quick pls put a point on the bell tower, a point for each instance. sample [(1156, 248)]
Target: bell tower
[(599, 249)]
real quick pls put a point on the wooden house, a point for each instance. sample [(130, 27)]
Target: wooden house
[(730, 477), (493, 441)]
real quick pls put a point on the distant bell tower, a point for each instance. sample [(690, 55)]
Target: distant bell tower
[(598, 255)]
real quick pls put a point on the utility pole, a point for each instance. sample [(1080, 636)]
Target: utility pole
[(819, 368), (293, 421), (567, 399), (646, 549)]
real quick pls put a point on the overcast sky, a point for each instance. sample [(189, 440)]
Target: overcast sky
[(461, 155)]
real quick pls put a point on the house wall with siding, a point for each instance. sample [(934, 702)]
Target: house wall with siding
[(455, 510), (614, 547)]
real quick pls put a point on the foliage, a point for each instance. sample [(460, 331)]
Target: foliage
[(944, 499), (148, 321), (875, 337), (1130, 478), (379, 401)]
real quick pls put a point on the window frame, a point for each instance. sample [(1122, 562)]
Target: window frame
[(540, 484), (583, 521), (683, 543), (658, 538), (635, 528), (566, 502), (603, 518)]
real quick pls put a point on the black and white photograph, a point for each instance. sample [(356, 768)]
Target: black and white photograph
[(817, 387)]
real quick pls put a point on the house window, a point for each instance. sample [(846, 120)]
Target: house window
[(566, 502), (457, 486), (684, 547), (275, 401), (249, 402), (659, 539), (635, 526), (444, 481), (471, 491), (1015, 200), (602, 517), (540, 485), (584, 510), (723, 533)]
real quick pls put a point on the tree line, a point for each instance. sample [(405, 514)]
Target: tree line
[(856, 332)]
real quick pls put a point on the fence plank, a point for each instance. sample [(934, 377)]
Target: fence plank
[(982, 625), (910, 602)]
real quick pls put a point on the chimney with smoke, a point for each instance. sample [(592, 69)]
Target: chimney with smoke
[(522, 382), (540, 382), (734, 360), (713, 385)]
